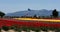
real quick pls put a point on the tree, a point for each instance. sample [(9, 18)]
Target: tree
[(35, 16), (1, 14), (55, 13), (29, 9)]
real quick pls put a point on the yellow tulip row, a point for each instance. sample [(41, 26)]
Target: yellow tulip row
[(45, 20)]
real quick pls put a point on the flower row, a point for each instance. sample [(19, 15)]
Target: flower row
[(28, 23)]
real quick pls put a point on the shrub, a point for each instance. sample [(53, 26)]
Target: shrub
[(24, 28), (52, 28), (44, 28), (0, 29), (14, 27), (5, 28)]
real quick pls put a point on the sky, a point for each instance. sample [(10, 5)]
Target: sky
[(9, 6)]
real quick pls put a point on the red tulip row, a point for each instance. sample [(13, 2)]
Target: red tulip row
[(19, 23)]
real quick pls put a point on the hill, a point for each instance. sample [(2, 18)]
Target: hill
[(30, 12)]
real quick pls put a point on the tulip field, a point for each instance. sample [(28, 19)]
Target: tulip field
[(41, 22), (30, 23)]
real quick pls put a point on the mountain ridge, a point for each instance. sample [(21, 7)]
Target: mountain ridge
[(29, 12)]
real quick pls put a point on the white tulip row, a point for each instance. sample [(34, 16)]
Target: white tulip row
[(25, 31)]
